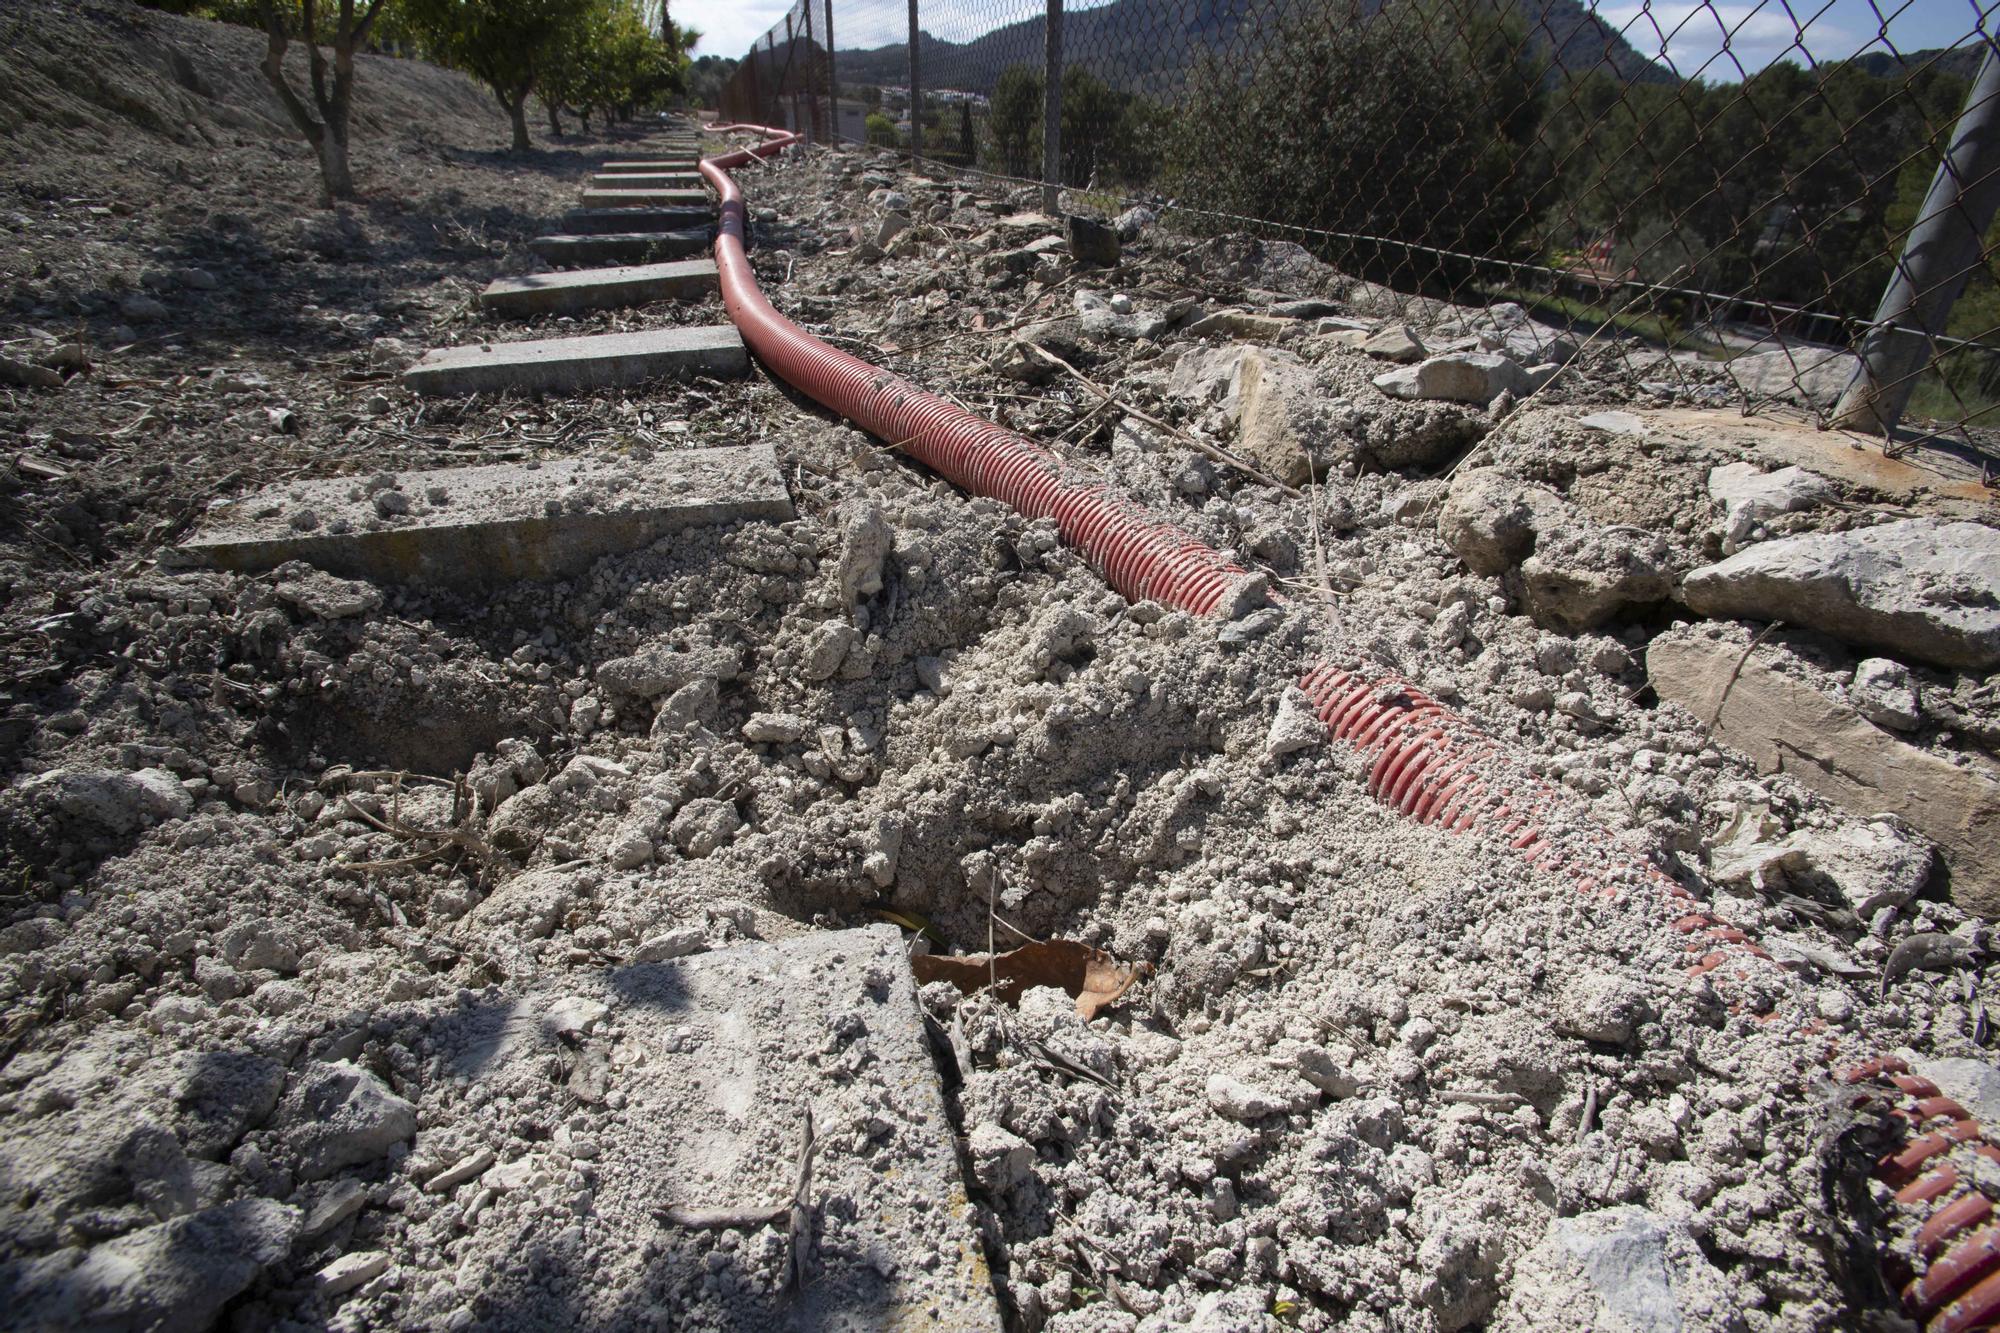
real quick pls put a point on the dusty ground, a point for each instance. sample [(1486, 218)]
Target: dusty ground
[(1385, 1074)]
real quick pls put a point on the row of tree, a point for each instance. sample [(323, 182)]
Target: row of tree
[(609, 57), (1437, 148)]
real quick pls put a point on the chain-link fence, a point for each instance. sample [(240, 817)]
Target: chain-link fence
[(1755, 202)]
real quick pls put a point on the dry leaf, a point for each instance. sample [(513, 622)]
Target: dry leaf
[(1092, 976)]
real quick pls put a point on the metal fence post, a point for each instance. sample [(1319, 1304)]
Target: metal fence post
[(1941, 253), (916, 92), (812, 78), (832, 82), (777, 79), (1052, 67)]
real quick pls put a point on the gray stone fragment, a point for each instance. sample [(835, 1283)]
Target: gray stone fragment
[(107, 800), (1491, 519), (1000, 1159), (171, 1278), (1091, 241), (1973, 1084), (340, 1115), (1394, 342), (1581, 576), (1463, 377), (1749, 497), (1919, 588), (224, 1094), (1811, 376), (1622, 1252), (1886, 693), (1601, 1007)]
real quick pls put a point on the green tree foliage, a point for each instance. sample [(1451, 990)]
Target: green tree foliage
[(881, 131), (1392, 131), (706, 78), (1108, 137), (505, 44), (610, 61)]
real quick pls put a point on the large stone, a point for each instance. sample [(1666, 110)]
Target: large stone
[(1620, 1270), (469, 527), (1492, 518), (1920, 589), (1787, 726), (1278, 425), (109, 800), (560, 365), (1582, 576), (340, 1115), (1091, 241), (171, 1278), (1810, 376), (1749, 496), (738, 1045), (1460, 377), (597, 288), (620, 246), (1869, 865)]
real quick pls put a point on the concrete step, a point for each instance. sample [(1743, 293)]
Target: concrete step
[(474, 526), (596, 288), (713, 1063), (651, 180), (686, 163), (555, 365), (627, 247), (597, 198), (601, 221)]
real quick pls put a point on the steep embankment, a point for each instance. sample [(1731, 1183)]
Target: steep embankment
[(76, 79)]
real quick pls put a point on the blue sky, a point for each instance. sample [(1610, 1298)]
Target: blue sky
[(1691, 32)]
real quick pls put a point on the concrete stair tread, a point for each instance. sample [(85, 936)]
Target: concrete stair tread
[(599, 248), (592, 361), (612, 198), (595, 288), (491, 523)]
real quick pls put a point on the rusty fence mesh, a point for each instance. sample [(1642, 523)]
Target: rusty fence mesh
[(1755, 203)]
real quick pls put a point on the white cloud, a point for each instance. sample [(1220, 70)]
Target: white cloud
[(1713, 39), (728, 27)]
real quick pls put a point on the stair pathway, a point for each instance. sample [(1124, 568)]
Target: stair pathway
[(597, 288), (557, 365), (601, 198)]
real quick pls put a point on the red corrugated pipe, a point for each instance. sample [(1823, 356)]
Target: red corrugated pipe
[(1426, 761)]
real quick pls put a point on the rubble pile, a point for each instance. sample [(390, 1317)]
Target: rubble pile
[(342, 915)]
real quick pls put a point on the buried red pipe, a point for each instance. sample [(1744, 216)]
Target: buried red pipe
[(1142, 555), (1426, 761)]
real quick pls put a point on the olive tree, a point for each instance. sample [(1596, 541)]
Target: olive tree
[(505, 44), (332, 82)]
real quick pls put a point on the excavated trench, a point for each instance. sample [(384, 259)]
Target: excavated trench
[(1436, 768)]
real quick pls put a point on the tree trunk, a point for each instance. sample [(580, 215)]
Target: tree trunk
[(555, 121), (517, 111), (585, 113), (334, 173)]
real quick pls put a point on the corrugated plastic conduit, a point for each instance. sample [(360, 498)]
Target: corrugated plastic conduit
[(1427, 762)]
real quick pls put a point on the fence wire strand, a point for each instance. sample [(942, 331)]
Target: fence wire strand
[(1720, 191)]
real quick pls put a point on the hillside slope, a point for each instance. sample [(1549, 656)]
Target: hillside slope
[(77, 76)]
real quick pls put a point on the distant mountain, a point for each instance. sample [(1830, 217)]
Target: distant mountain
[(1959, 61), (1147, 45)]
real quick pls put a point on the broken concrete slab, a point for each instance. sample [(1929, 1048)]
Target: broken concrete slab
[(1463, 377), (620, 247), (1919, 589), (471, 526), (1787, 726), (545, 365), (613, 198), (609, 221), (597, 288), (1748, 496), (664, 179), (1810, 376), (703, 1071)]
